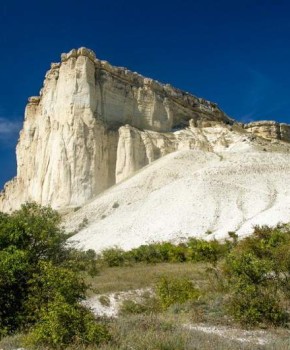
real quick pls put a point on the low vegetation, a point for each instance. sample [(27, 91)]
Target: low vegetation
[(257, 271), (43, 281), (253, 273), (194, 250)]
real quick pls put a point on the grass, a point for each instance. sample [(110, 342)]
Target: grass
[(157, 332), (143, 325), (164, 330), (137, 276)]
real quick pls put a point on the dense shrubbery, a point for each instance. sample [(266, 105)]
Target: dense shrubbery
[(258, 275), (40, 282), (194, 250), (62, 323)]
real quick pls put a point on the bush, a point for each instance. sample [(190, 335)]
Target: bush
[(62, 324), (51, 283), (150, 254), (175, 291), (113, 257), (200, 250), (40, 281), (194, 250), (257, 272)]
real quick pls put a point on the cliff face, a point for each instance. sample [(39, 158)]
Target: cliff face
[(65, 155), (94, 125), (270, 130)]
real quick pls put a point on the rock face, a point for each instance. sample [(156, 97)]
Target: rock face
[(94, 125), (270, 130), (137, 148)]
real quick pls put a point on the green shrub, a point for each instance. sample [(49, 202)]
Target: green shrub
[(14, 273), (149, 254), (257, 273), (171, 291), (61, 324), (177, 253), (51, 283), (194, 250), (253, 306), (210, 251), (113, 257), (40, 281)]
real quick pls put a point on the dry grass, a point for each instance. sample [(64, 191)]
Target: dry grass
[(151, 332), (165, 330), (117, 279)]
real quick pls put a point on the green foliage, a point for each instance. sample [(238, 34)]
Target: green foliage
[(51, 283), (257, 272), (39, 273), (175, 291), (113, 257), (14, 268), (210, 251), (62, 323), (194, 250), (35, 230), (151, 254)]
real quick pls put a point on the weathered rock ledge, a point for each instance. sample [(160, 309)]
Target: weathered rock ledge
[(270, 130), (93, 125)]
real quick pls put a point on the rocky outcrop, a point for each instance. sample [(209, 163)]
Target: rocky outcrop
[(137, 148), (67, 151), (94, 125), (270, 130)]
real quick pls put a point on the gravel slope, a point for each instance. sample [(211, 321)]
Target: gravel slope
[(185, 194)]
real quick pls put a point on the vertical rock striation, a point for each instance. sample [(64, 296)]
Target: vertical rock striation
[(94, 125)]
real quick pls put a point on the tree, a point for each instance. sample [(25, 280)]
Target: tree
[(38, 272)]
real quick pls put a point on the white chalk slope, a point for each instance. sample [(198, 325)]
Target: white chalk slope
[(188, 194)]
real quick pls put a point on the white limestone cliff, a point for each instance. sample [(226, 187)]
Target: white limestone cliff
[(270, 130), (94, 125), (137, 148)]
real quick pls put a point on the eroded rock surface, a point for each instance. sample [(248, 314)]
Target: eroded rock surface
[(94, 125), (270, 130)]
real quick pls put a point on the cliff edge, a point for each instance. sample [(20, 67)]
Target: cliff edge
[(94, 125)]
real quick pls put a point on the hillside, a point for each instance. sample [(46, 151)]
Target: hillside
[(188, 193)]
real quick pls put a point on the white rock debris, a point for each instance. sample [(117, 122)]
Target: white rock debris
[(258, 337), (188, 194), (113, 301)]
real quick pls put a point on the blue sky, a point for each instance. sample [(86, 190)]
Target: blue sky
[(235, 53)]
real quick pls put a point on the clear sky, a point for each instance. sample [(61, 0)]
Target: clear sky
[(235, 53)]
